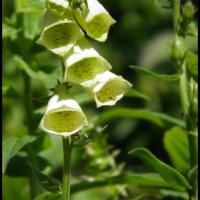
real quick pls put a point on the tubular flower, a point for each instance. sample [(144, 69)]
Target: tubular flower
[(93, 18), (107, 88), (83, 63), (63, 116), (60, 33), (57, 6)]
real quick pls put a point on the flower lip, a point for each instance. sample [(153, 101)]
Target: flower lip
[(63, 117)]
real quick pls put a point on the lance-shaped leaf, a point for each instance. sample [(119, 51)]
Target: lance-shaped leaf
[(11, 147), (107, 88), (57, 6), (63, 116), (93, 18), (176, 144), (83, 63), (168, 173), (60, 33), (50, 184)]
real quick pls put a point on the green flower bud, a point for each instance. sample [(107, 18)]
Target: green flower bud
[(177, 49), (63, 117), (188, 10), (83, 63), (60, 33), (107, 88), (93, 18), (57, 6)]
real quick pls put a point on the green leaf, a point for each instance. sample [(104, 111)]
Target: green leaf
[(136, 94), (154, 117), (193, 173), (168, 173), (11, 147), (31, 30), (49, 196), (146, 179), (30, 6), (171, 194), (9, 32), (192, 62), (9, 92), (18, 165), (46, 78), (176, 145), (48, 183), (42, 143), (146, 72)]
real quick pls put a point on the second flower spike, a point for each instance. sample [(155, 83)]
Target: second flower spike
[(93, 18)]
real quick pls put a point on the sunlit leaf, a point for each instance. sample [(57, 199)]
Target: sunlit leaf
[(168, 173), (152, 116), (136, 94), (145, 179), (146, 72), (9, 32), (176, 144), (31, 29), (11, 147)]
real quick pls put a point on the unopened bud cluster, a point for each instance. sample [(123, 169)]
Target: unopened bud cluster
[(63, 34)]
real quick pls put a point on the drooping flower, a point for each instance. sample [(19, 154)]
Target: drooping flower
[(57, 6), (93, 18), (59, 33), (107, 88), (83, 63), (63, 117)]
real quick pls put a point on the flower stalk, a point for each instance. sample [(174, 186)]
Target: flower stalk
[(67, 150)]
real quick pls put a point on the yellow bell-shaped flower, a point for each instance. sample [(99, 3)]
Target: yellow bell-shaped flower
[(107, 88), (83, 63), (93, 18), (59, 33), (63, 117)]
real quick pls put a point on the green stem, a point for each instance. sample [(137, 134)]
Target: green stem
[(67, 150), (187, 102), (176, 14), (29, 122), (63, 68), (28, 103), (183, 90)]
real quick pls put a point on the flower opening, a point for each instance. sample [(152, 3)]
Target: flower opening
[(84, 63), (94, 19), (63, 117), (107, 88)]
